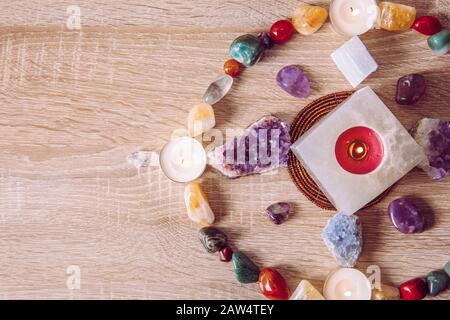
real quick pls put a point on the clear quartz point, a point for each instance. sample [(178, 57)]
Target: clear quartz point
[(218, 89)]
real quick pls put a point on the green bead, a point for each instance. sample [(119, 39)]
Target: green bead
[(440, 42), (247, 50), (437, 281), (447, 268), (246, 270)]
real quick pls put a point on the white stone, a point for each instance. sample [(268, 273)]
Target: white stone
[(316, 151), (354, 61)]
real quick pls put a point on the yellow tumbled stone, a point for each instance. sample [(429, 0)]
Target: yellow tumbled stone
[(197, 205), (307, 19), (201, 119), (386, 293), (395, 17), (306, 291)]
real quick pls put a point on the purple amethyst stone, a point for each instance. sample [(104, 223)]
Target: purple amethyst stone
[(434, 136), (410, 89), (406, 217), (279, 212), (265, 40), (294, 81), (264, 146)]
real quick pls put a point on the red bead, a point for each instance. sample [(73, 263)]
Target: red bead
[(415, 289), (273, 285), (281, 31), (225, 254), (427, 25), (232, 68)]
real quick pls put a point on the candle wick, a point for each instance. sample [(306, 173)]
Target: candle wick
[(354, 11)]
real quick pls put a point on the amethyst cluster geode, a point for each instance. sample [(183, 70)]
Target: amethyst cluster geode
[(434, 136), (264, 146)]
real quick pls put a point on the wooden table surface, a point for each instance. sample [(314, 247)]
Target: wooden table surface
[(75, 103)]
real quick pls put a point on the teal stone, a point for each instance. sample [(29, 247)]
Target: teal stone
[(447, 268), (247, 50), (246, 270), (440, 42), (437, 282)]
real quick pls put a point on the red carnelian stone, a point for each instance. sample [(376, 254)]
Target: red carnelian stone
[(232, 68), (281, 31), (415, 289), (225, 254), (273, 285), (427, 25)]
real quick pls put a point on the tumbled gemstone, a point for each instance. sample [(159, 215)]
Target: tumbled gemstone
[(434, 136), (405, 216), (437, 281), (427, 25), (212, 239), (440, 42), (218, 89), (281, 31), (410, 89), (232, 68), (247, 50), (266, 40), (307, 19), (279, 212), (225, 254), (201, 118), (447, 268), (395, 17), (197, 205), (343, 237), (246, 270), (306, 291), (273, 285), (263, 147), (415, 289), (386, 293), (294, 81)]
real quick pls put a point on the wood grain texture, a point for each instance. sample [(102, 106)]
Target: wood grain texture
[(75, 103)]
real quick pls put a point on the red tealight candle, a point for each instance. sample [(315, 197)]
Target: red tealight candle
[(359, 150)]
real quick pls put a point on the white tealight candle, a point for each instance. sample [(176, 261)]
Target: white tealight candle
[(347, 284), (353, 17), (183, 159)]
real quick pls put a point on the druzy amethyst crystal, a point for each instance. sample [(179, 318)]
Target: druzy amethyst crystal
[(343, 237), (434, 136), (264, 146)]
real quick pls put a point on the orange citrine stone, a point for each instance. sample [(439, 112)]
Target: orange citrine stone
[(232, 68), (273, 285), (395, 17)]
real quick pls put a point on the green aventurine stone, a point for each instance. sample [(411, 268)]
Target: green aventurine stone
[(246, 270), (440, 42), (247, 50), (447, 268), (437, 281)]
